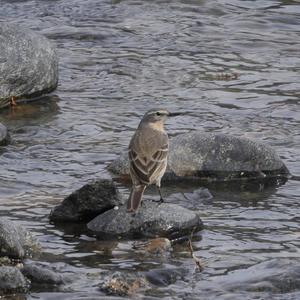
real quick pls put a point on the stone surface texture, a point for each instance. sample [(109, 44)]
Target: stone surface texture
[(28, 63), (151, 220), (214, 157), (87, 202)]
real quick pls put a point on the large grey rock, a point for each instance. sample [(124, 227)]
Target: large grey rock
[(4, 136), (28, 63), (12, 281), (151, 220), (87, 202), (214, 157), (16, 241)]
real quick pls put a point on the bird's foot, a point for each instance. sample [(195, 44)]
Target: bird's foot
[(160, 201)]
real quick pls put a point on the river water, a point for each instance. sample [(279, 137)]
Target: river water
[(230, 67)]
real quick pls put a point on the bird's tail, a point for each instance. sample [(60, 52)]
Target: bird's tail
[(135, 198)]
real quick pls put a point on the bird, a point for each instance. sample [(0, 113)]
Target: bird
[(148, 153)]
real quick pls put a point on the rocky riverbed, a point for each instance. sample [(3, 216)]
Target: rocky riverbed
[(231, 68)]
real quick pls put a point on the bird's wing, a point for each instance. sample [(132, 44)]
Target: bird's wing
[(147, 168)]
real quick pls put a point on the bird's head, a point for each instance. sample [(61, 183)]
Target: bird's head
[(155, 115)]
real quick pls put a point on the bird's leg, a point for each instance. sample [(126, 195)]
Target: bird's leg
[(161, 200)]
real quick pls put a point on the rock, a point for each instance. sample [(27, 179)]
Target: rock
[(278, 275), (89, 201), (6, 261), (16, 241), (12, 281), (123, 284), (4, 136), (151, 220), (165, 276), (120, 166), (28, 63), (42, 274), (214, 157)]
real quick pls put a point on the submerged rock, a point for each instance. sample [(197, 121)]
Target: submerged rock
[(215, 157), (277, 275), (151, 220), (16, 241), (42, 274), (165, 276), (89, 201), (129, 283), (28, 63), (12, 281), (123, 284), (4, 136)]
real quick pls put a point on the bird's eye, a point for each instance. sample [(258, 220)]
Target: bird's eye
[(158, 113)]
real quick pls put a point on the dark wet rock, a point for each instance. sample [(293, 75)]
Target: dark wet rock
[(151, 220), (87, 202), (4, 136), (28, 63), (39, 273), (16, 241), (123, 284), (214, 157), (12, 281), (166, 276), (277, 276)]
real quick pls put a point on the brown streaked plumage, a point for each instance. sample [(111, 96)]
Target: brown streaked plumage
[(148, 153)]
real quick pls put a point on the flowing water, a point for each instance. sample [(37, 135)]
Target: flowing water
[(229, 66)]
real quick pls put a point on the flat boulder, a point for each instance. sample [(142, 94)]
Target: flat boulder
[(151, 220), (87, 202), (16, 241), (4, 136), (214, 157), (28, 63)]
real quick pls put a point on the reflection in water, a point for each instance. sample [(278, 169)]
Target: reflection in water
[(230, 66), (39, 110)]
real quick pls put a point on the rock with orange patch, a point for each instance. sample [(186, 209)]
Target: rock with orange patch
[(28, 64)]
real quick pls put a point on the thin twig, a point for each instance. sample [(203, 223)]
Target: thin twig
[(197, 260)]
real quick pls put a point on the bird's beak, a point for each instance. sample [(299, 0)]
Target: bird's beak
[(174, 114)]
